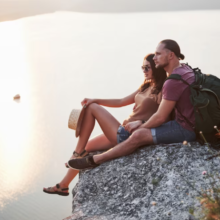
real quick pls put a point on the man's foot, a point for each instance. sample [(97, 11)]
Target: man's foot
[(76, 155), (72, 157), (82, 163), (57, 190)]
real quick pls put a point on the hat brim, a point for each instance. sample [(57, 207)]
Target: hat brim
[(80, 120)]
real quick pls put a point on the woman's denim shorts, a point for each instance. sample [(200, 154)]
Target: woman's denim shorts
[(122, 134), (171, 132)]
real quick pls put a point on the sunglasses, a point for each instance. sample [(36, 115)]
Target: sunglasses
[(145, 68)]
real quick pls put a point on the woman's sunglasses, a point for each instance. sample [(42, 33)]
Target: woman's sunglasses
[(145, 68)]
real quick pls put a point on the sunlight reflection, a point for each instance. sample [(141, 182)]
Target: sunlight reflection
[(13, 66), (14, 117)]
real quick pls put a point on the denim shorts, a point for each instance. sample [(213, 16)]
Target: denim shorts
[(171, 132), (122, 134)]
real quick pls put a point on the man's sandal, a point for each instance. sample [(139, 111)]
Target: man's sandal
[(77, 156), (59, 191)]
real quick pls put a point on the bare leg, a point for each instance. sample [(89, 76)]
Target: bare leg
[(99, 142), (109, 126), (107, 122), (139, 138)]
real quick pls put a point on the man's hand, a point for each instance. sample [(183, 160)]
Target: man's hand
[(132, 126), (161, 115)]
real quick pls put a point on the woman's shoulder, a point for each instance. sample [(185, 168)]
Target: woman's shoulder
[(148, 89)]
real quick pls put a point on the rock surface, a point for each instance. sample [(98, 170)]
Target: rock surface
[(155, 183)]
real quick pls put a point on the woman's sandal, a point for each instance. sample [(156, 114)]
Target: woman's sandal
[(76, 156), (50, 190)]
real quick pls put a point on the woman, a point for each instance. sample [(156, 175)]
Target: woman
[(147, 99)]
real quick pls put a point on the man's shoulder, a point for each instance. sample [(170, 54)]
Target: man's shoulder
[(170, 86), (182, 70), (185, 72), (171, 82)]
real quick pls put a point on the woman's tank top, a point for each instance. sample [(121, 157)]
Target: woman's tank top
[(146, 104)]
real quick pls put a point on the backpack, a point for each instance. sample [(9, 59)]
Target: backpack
[(205, 98)]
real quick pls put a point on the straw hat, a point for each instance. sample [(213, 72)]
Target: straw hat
[(75, 119)]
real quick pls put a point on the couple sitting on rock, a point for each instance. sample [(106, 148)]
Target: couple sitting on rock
[(150, 121)]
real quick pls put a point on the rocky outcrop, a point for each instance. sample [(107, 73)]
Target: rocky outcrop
[(155, 183)]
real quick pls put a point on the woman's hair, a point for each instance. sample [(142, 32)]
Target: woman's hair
[(174, 47), (159, 76)]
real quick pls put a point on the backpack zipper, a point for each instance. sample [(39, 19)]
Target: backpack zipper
[(205, 105), (207, 90)]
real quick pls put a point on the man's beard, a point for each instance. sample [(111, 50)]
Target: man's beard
[(163, 65)]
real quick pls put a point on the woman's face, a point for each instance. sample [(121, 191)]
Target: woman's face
[(148, 73)]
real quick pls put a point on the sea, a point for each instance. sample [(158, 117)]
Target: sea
[(54, 61)]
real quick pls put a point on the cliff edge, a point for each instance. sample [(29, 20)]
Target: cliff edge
[(158, 182)]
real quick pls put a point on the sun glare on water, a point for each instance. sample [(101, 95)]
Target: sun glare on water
[(13, 115)]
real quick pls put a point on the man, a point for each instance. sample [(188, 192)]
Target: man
[(175, 94)]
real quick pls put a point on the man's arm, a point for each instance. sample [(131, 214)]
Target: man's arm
[(163, 112)]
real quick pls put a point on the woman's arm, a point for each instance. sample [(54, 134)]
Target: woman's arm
[(112, 102)]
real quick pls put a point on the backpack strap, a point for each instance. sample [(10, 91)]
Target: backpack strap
[(178, 77)]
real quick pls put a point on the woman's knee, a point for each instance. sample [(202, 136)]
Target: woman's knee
[(92, 107)]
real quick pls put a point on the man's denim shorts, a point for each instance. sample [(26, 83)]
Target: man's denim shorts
[(171, 132), (122, 134)]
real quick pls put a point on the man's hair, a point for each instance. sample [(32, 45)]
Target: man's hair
[(174, 47)]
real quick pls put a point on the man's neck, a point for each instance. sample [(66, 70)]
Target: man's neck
[(169, 69)]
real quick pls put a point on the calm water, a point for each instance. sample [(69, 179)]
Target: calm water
[(53, 61)]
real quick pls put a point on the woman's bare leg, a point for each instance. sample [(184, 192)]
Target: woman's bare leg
[(109, 126), (99, 142), (107, 122)]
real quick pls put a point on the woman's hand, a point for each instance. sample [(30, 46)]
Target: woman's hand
[(87, 101), (132, 126)]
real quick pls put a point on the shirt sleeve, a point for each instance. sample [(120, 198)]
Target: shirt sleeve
[(173, 89)]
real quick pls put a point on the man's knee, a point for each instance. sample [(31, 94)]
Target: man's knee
[(141, 136)]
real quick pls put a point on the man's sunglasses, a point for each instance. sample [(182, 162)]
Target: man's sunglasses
[(145, 68)]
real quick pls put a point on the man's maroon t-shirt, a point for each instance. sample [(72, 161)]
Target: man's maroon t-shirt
[(176, 90)]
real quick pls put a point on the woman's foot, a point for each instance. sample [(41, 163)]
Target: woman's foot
[(64, 191)]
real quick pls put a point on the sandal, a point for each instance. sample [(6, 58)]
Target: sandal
[(76, 156), (50, 190)]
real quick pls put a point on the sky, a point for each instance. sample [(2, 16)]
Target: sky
[(14, 9)]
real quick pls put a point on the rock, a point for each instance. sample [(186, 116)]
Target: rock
[(125, 188), (17, 96)]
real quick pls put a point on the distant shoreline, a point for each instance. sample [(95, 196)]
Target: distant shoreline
[(11, 10)]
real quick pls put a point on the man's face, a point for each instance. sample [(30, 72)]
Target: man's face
[(161, 56)]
